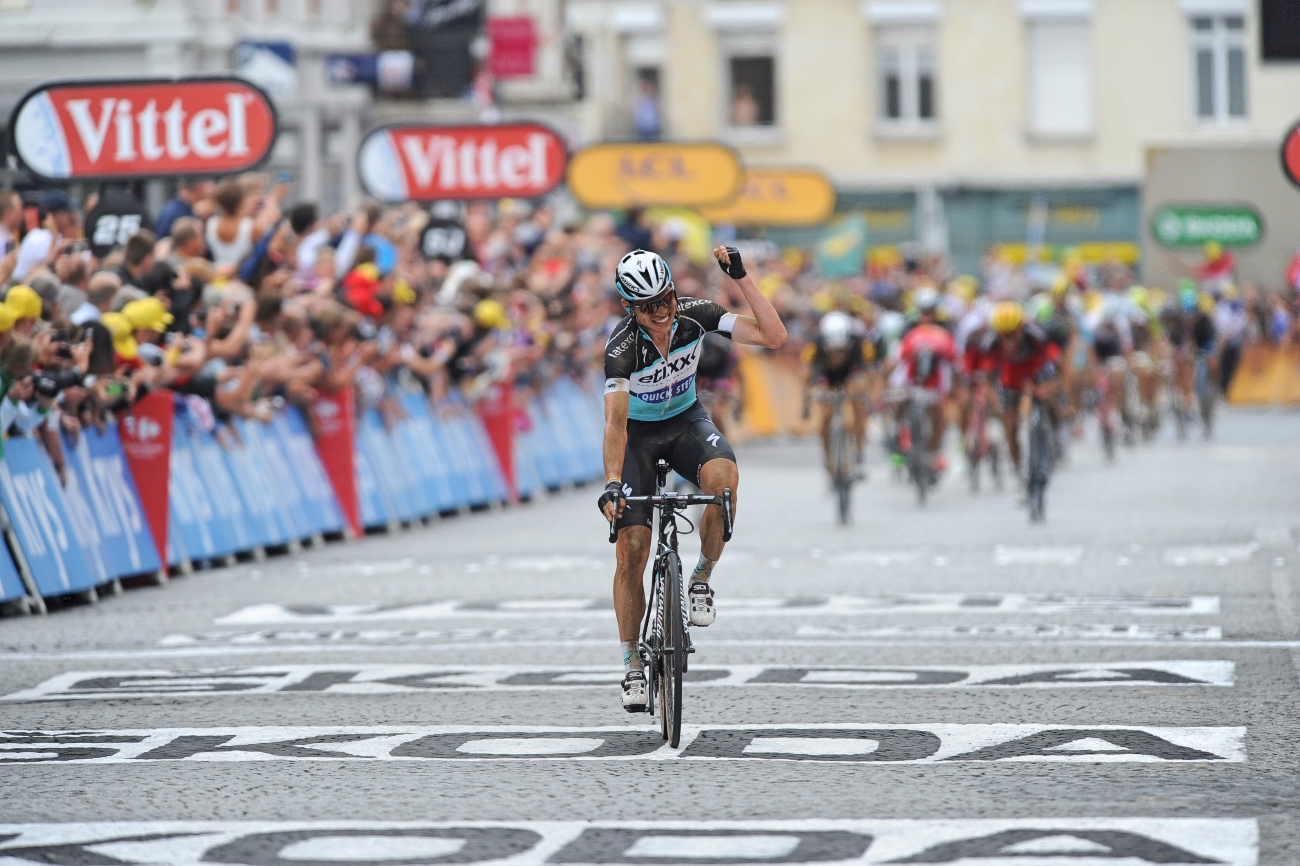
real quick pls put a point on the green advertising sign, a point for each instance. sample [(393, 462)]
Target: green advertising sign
[(1192, 226)]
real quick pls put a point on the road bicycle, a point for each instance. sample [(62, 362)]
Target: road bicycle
[(843, 461), (665, 640), (1205, 392), (1041, 457), (917, 430), (980, 447)]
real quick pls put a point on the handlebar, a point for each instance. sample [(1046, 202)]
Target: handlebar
[(680, 501)]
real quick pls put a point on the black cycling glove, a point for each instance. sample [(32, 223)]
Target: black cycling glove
[(613, 493), (736, 269)]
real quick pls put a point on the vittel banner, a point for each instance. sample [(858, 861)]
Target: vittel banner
[(426, 163), (142, 128)]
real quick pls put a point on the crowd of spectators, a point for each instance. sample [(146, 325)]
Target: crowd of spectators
[(245, 301)]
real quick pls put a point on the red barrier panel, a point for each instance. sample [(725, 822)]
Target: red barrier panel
[(335, 437), (146, 431), (497, 409)]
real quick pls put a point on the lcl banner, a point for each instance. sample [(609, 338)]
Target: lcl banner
[(142, 128), (419, 162), (778, 197), (673, 174)]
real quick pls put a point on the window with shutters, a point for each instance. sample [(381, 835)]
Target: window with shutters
[(906, 80), (1060, 97), (1218, 67)]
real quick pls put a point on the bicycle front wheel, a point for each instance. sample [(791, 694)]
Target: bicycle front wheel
[(842, 463), (672, 660)]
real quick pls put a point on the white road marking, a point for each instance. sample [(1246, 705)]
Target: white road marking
[(715, 848), (810, 746), (1051, 632), (1004, 555), (1016, 842), (362, 849), (1210, 554), (834, 605), (422, 679), (532, 746)]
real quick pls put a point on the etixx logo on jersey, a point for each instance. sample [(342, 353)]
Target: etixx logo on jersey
[(671, 367), (136, 128)]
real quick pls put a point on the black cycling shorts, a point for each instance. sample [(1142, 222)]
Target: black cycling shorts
[(687, 441)]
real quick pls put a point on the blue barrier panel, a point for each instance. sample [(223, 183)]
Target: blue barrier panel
[(85, 532), (389, 462), (11, 583), (98, 468), (425, 454), (375, 510), (588, 416), (566, 442), (541, 439), (194, 519), (527, 481), (177, 551), (277, 477), (227, 506), (458, 474), (35, 503), (469, 442), (252, 478), (318, 501)]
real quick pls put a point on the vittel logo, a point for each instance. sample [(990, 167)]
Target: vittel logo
[(106, 129), (426, 163)]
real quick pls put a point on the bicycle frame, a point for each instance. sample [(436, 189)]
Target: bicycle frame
[(658, 654)]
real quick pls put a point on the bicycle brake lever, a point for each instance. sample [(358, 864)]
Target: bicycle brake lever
[(726, 514), (613, 531)]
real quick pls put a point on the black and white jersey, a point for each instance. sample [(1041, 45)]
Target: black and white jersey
[(662, 387)]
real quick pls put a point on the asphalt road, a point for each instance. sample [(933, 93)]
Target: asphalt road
[(937, 685)]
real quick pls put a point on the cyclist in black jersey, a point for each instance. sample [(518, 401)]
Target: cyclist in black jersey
[(651, 412)]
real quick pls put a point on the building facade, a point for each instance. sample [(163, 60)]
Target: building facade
[(1027, 120)]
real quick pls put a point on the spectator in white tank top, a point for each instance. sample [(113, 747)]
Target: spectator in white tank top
[(233, 232)]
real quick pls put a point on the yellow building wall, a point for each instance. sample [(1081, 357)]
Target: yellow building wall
[(826, 92)]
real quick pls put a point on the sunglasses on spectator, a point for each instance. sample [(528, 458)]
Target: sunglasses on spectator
[(652, 307)]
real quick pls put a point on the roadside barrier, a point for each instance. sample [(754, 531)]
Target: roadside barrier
[(1266, 376), (204, 497)]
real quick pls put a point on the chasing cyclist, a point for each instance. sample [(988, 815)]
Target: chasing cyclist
[(1024, 359), (926, 359), (839, 359), (651, 413)]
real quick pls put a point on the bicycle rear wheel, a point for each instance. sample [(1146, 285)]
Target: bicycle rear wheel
[(672, 658)]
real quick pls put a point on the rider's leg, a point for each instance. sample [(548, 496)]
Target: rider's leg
[(633, 552), (823, 410), (718, 474), (1010, 427), (860, 405)]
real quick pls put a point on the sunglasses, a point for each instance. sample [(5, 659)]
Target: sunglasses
[(652, 307)]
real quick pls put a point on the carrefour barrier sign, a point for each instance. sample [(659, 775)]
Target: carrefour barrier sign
[(71, 130), (1237, 226), (419, 162), (778, 197), (655, 174)]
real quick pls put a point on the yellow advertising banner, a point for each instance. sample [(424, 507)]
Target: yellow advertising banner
[(655, 174), (778, 197)]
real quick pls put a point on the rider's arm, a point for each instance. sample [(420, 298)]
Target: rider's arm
[(616, 403), (764, 328)]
